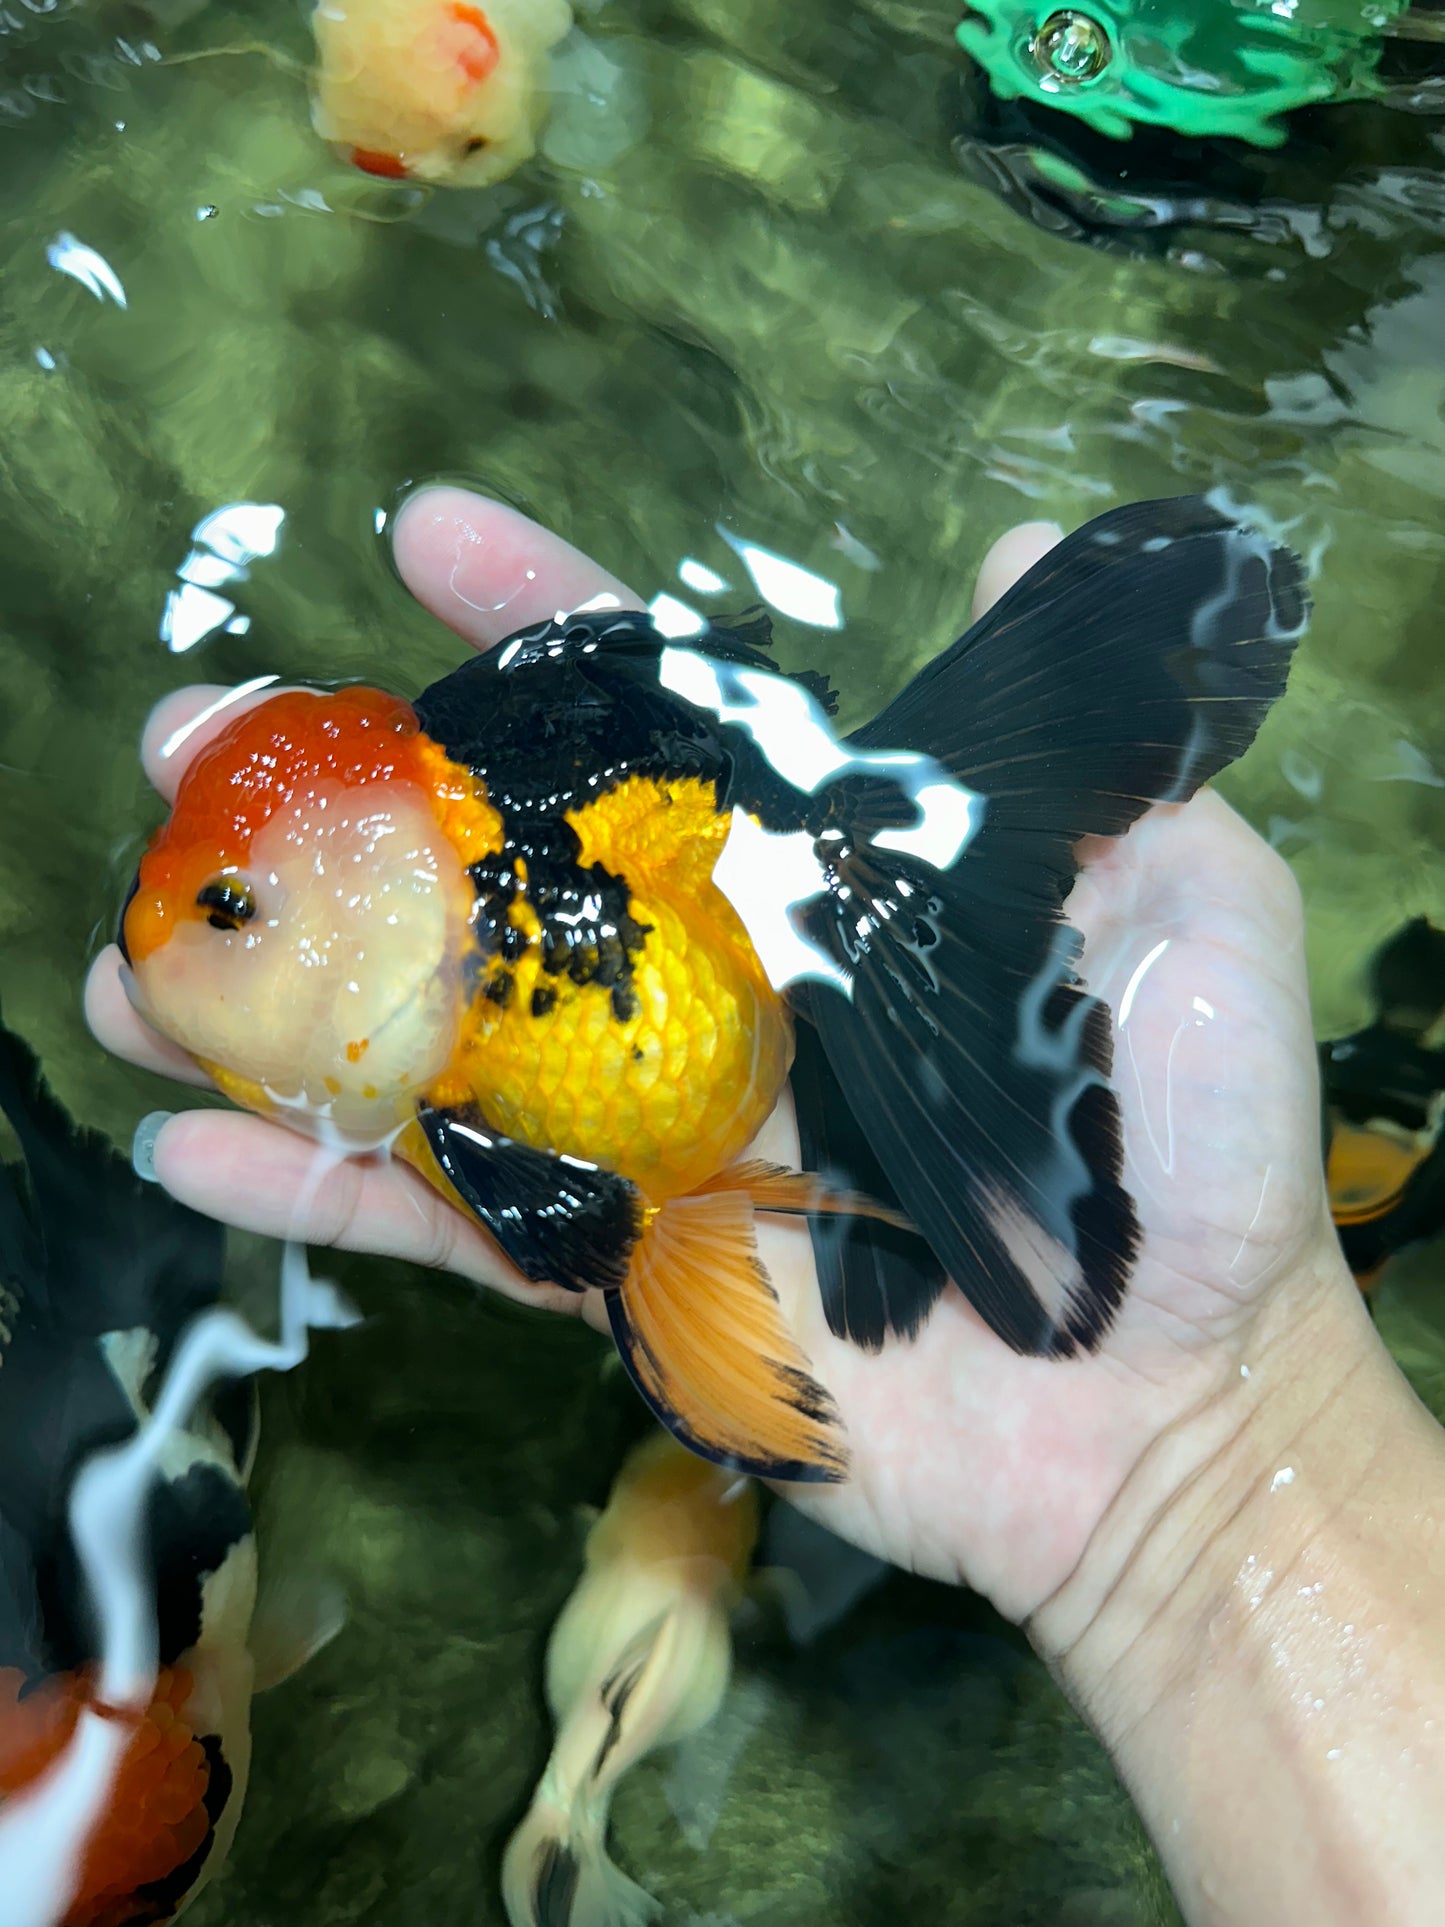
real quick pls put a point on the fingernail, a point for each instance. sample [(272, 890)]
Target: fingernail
[(143, 1144)]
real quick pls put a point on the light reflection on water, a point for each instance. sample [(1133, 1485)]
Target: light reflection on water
[(772, 315)]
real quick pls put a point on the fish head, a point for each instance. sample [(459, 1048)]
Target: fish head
[(300, 923), (447, 92)]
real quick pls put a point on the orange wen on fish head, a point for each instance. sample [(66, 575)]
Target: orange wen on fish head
[(478, 54), (281, 751)]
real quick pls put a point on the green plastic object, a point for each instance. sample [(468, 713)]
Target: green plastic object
[(1200, 67)]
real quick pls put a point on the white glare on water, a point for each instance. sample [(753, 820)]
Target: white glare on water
[(790, 589), (768, 876), (44, 1830), (69, 256), (226, 542)]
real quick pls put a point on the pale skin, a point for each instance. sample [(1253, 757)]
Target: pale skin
[(1223, 1531)]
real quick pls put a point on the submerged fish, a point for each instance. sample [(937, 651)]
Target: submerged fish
[(99, 1275), (1384, 1095), (1198, 67), (445, 91), (639, 1659), (548, 929)]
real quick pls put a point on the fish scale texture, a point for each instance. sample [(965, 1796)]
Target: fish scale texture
[(671, 1093), (158, 1818)]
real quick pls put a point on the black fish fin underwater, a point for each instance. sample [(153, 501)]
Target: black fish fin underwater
[(876, 1279), (1127, 667), (103, 1251), (560, 1220)]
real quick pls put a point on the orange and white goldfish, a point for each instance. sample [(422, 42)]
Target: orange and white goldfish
[(99, 1274), (639, 1658), (549, 931), (446, 91)]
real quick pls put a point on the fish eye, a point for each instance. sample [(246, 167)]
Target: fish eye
[(228, 901)]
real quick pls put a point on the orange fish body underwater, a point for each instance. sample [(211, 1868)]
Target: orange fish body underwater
[(565, 928), (449, 92), (99, 1275), (1384, 1106)]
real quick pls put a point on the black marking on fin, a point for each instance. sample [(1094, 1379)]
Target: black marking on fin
[(875, 1278), (621, 1683), (804, 1393), (1126, 668), (161, 1899), (978, 1073), (560, 1220), (555, 1884)]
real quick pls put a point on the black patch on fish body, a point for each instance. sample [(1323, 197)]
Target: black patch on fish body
[(558, 716), (88, 1250)]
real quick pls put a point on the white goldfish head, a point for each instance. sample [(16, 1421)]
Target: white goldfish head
[(446, 91), (299, 924)]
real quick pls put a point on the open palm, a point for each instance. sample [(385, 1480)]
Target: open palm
[(968, 1462)]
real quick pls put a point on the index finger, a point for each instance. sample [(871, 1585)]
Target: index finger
[(487, 570)]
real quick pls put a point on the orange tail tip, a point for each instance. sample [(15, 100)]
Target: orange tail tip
[(702, 1335)]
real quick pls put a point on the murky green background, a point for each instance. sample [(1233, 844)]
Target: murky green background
[(755, 290)]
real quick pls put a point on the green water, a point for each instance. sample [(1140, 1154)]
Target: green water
[(753, 292)]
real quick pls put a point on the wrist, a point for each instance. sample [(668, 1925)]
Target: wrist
[(1250, 1628), (1161, 1554)]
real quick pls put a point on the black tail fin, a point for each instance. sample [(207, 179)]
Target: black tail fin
[(1126, 668)]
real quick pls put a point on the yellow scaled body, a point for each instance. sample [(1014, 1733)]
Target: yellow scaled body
[(672, 1094)]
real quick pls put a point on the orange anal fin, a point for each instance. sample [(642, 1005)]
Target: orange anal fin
[(773, 1187), (702, 1335)]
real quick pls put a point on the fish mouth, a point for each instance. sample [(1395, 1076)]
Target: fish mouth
[(386, 167)]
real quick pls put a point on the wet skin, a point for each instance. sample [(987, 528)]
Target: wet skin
[(969, 1462)]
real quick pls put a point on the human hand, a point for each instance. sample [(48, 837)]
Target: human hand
[(968, 1462)]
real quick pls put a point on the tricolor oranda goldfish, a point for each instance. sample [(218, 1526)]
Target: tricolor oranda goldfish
[(639, 1658), (99, 1274), (550, 929), (445, 91)]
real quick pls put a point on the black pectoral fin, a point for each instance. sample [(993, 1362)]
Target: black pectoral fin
[(875, 1278), (560, 1220), (977, 1068), (1129, 666)]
